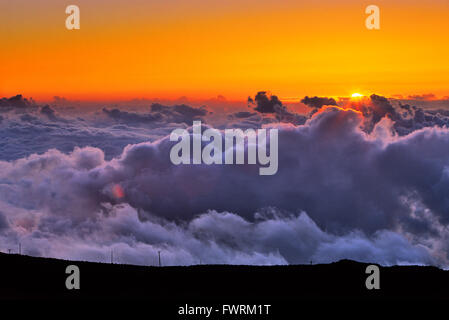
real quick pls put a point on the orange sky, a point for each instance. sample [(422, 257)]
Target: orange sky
[(203, 48)]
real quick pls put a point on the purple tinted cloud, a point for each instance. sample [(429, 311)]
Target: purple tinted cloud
[(348, 186)]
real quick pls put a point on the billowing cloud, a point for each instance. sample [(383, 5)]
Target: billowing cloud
[(209, 238), (405, 118), (348, 186)]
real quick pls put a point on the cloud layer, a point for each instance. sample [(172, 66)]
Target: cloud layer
[(368, 181)]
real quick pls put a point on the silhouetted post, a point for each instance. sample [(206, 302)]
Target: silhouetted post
[(159, 254), (9, 251), (20, 248), (112, 257)]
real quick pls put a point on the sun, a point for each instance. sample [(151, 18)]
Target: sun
[(356, 95)]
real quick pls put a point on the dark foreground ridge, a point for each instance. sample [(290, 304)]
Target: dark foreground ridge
[(24, 277)]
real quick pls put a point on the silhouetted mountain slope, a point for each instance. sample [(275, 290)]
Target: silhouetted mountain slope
[(42, 278)]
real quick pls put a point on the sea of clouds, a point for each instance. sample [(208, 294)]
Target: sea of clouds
[(366, 180)]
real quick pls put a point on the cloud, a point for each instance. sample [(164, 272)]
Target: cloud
[(131, 118), (180, 113), (159, 114), (318, 102), (348, 186), (17, 101), (385, 247), (265, 103), (429, 96), (26, 131), (329, 157), (242, 115), (272, 105), (51, 114), (210, 238), (405, 118)]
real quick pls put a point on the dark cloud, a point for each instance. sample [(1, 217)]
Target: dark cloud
[(428, 96), (17, 101), (265, 103), (374, 110), (283, 115), (272, 105), (49, 112), (159, 113), (318, 102), (179, 113), (242, 115)]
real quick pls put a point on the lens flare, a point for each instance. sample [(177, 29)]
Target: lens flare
[(118, 192)]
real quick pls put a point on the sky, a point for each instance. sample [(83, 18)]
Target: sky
[(201, 49)]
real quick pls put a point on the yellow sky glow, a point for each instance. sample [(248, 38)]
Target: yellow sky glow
[(201, 49)]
